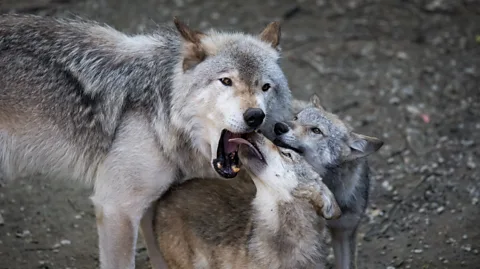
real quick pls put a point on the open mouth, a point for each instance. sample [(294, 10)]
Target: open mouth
[(282, 144), (227, 164)]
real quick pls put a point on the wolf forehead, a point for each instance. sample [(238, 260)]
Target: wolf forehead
[(250, 57), (312, 116)]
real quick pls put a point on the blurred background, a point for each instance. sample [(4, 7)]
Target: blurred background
[(404, 71)]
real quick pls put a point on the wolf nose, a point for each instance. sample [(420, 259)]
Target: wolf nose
[(254, 117), (280, 128)]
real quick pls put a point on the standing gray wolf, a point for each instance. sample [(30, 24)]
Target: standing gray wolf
[(131, 115), (276, 221), (338, 155)]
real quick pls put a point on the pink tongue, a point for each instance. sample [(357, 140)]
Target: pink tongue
[(230, 147), (240, 140)]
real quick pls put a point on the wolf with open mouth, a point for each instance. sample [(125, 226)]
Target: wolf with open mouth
[(273, 218), (130, 115)]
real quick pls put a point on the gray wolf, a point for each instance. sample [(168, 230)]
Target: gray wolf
[(272, 219), (131, 114), (339, 155)]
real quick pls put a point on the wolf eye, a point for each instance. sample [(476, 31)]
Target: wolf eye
[(286, 154), (265, 87), (226, 81), (316, 131)]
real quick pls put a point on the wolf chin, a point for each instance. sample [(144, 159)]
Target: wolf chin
[(131, 115)]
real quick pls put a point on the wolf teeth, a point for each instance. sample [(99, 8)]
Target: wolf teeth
[(235, 169), (219, 165)]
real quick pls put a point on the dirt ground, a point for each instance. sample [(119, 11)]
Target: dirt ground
[(406, 71)]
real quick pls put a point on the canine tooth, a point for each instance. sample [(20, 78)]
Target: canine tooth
[(235, 168), (219, 165)]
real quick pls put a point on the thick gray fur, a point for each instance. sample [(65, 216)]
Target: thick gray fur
[(339, 156), (82, 101)]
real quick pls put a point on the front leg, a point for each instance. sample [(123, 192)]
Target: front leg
[(345, 248), (131, 177), (117, 235), (322, 199)]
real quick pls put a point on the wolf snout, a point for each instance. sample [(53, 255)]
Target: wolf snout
[(280, 128), (254, 117)]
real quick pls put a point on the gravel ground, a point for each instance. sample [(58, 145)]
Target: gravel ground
[(406, 71)]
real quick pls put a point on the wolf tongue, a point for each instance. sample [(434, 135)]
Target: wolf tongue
[(230, 147), (245, 142)]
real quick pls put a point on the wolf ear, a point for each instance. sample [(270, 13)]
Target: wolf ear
[(362, 145), (315, 101), (193, 52), (271, 34)]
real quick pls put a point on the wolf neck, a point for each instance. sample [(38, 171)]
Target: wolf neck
[(345, 178), (284, 228), (267, 200)]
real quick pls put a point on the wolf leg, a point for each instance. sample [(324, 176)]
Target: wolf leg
[(146, 227), (119, 213), (117, 237), (131, 177), (344, 248)]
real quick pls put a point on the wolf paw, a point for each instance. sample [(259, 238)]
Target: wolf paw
[(320, 197)]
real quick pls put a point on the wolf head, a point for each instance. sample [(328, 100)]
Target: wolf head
[(322, 138), (282, 170), (234, 86)]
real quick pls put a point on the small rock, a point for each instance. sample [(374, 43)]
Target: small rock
[(390, 267), (22, 234), (471, 164), (467, 143), (467, 247), (417, 250), (440, 210), (441, 6), (402, 55), (394, 100), (386, 185), (57, 245), (65, 242)]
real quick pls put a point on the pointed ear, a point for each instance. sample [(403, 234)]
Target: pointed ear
[(362, 145), (193, 52), (271, 34), (315, 101)]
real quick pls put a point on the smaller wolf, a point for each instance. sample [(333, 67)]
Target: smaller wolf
[(337, 154), (273, 222)]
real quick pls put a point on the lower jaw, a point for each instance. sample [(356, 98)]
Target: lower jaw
[(222, 172)]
